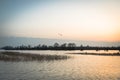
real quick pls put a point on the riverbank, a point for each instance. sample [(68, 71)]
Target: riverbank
[(101, 54)]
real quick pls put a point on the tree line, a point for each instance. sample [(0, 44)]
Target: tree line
[(57, 46)]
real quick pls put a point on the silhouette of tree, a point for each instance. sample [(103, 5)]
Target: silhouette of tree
[(71, 45), (44, 47), (8, 48), (29, 47), (64, 45), (38, 46), (56, 45), (81, 47)]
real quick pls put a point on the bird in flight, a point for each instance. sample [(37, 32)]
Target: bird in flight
[(60, 34)]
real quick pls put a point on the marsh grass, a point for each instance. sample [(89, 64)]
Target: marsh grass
[(16, 56), (100, 54)]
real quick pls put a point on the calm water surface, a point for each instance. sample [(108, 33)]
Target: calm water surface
[(79, 67)]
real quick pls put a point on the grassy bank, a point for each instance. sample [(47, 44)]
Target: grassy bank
[(101, 54), (16, 56)]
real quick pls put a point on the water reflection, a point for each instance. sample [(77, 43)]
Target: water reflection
[(81, 67)]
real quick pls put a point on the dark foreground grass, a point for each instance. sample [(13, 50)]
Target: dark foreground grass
[(100, 54), (16, 56)]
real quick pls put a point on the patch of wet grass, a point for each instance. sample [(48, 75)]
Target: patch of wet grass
[(16, 56)]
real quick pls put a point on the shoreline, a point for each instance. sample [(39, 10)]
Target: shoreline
[(99, 54)]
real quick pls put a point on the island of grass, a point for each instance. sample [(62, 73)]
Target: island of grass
[(101, 54), (17, 56)]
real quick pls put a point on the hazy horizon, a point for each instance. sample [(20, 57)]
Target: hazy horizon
[(18, 41), (97, 20)]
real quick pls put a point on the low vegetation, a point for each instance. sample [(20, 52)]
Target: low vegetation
[(56, 46), (101, 54), (16, 56)]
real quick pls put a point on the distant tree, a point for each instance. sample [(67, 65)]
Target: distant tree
[(71, 45), (56, 45), (38, 46), (8, 48), (29, 46), (64, 45), (50, 47), (44, 46), (87, 46), (81, 45), (23, 47)]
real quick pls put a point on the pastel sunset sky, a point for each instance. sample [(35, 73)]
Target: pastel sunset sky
[(94, 20)]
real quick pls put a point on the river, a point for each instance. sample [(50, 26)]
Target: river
[(78, 67)]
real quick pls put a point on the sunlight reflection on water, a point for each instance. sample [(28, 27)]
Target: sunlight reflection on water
[(80, 67)]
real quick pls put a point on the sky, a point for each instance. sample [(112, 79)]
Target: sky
[(91, 20)]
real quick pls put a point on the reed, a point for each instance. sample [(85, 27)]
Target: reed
[(16, 56)]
